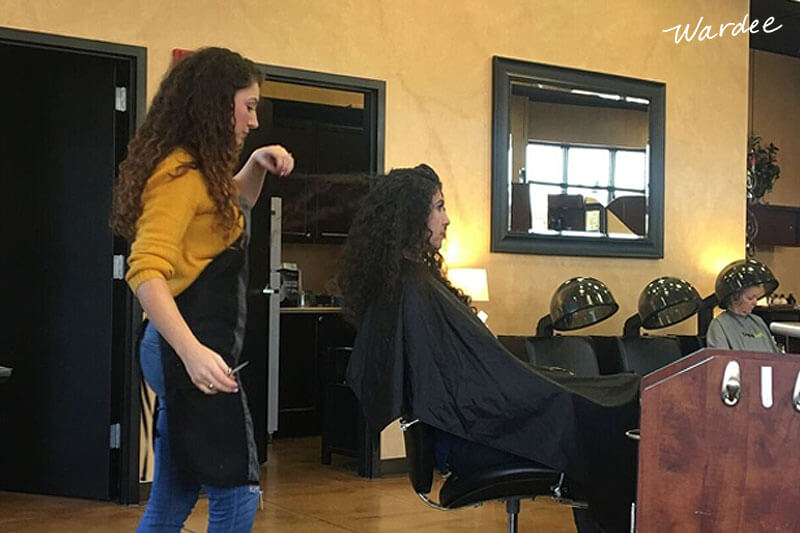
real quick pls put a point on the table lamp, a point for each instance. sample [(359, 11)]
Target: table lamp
[(474, 282)]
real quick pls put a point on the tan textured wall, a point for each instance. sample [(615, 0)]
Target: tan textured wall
[(436, 60), (318, 262), (775, 116)]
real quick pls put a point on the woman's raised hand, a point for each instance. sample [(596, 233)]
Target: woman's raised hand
[(275, 159)]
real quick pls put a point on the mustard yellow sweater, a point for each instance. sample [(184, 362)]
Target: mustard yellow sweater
[(176, 237)]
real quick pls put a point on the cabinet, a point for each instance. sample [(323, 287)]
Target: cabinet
[(298, 384), (331, 147), (296, 219), (336, 200), (318, 208), (306, 336), (774, 225)]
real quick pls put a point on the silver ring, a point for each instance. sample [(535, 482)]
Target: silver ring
[(211, 386)]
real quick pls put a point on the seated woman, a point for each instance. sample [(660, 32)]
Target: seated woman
[(422, 352), (738, 288)]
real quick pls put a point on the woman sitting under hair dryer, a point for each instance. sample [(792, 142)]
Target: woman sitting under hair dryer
[(738, 288)]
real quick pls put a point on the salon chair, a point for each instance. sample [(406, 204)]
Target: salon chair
[(608, 357), (607, 351), (515, 344), (510, 483), (513, 482), (570, 352), (642, 355), (690, 343)]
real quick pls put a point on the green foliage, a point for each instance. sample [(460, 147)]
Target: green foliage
[(762, 168)]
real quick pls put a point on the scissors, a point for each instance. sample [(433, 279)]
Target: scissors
[(235, 369)]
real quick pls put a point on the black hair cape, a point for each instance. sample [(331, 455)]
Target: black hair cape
[(424, 354)]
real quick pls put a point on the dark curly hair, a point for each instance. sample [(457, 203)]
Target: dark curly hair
[(193, 110), (390, 227)]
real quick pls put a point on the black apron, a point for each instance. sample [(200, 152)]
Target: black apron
[(211, 436)]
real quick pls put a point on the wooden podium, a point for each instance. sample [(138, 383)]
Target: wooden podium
[(708, 467)]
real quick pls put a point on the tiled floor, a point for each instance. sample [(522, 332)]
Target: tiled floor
[(300, 495)]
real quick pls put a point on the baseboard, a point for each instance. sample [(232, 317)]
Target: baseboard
[(398, 465), (144, 490)]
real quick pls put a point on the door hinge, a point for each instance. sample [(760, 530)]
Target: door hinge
[(119, 266), (114, 436), (121, 99)]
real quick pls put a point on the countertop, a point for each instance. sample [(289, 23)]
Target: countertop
[(311, 310)]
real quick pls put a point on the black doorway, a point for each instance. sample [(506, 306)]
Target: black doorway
[(68, 425), (322, 141)]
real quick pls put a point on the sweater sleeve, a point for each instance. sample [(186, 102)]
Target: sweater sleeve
[(169, 204)]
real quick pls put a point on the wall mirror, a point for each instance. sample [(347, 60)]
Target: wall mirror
[(577, 162)]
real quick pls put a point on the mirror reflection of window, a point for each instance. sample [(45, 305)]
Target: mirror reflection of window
[(597, 176), (630, 171), (575, 152), (587, 167), (545, 163)]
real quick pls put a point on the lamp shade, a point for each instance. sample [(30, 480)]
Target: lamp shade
[(473, 281), (666, 301), (581, 302), (741, 275)]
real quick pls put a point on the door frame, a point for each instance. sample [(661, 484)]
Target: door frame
[(133, 59), (374, 91)]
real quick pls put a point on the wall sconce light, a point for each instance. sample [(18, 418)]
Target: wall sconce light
[(577, 303)]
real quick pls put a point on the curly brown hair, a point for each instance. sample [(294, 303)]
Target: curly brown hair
[(390, 227), (192, 110)]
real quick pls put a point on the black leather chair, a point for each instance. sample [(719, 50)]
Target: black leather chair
[(607, 351), (513, 482), (642, 355), (690, 343), (509, 483), (570, 352)]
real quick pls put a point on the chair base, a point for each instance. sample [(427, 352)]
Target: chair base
[(512, 509)]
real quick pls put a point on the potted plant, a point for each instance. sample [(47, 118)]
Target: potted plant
[(762, 168)]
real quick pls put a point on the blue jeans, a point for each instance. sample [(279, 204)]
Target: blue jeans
[(172, 498)]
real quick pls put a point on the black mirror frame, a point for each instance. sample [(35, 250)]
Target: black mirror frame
[(504, 71)]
